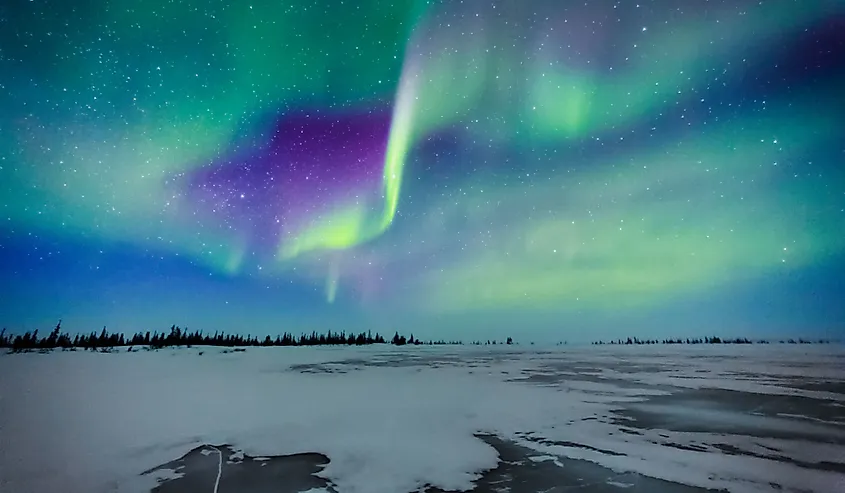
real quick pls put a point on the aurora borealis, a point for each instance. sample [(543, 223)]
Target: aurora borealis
[(547, 168)]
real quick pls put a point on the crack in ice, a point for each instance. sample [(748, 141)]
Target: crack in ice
[(219, 467)]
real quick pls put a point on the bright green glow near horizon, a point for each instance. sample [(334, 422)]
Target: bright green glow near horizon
[(633, 232)]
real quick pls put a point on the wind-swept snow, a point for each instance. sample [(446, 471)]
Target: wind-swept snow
[(394, 420)]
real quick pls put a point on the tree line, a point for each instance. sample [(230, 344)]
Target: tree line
[(493, 342), (707, 340), (176, 336), (104, 340)]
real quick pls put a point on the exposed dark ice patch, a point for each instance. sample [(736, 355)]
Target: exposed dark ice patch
[(822, 465), (522, 470), (565, 443), (738, 413), (242, 473)]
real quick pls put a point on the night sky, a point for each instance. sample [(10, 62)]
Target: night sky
[(547, 169)]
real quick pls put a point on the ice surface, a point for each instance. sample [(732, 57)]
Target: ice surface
[(165, 474), (396, 419), (546, 458)]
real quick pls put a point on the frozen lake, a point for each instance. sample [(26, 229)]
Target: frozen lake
[(381, 419)]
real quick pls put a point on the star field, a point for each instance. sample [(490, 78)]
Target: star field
[(548, 167)]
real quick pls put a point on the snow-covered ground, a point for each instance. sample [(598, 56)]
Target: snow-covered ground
[(745, 418)]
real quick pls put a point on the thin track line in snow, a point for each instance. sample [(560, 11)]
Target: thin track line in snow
[(219, 467)]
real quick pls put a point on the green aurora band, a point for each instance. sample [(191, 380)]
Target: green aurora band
[(179, 78), (445, 86), (643, 228), (116, 127)]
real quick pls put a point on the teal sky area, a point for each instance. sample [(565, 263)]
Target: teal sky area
[(548, 170)]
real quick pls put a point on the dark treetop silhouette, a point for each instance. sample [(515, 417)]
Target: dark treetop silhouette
[(177, 336)]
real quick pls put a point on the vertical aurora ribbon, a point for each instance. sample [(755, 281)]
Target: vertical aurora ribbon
[(352, 225)]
